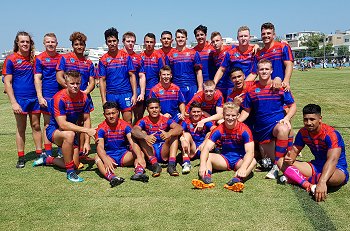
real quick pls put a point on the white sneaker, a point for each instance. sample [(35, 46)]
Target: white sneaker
[(273, 173), (186, 168), (283, 179)]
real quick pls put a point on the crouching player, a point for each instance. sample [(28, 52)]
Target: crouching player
[(70, 107), (237, 152), (192, 139), (329, 168), (112, 138), (157, 136)]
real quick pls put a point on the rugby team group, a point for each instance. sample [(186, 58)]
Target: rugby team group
[(227, 105)]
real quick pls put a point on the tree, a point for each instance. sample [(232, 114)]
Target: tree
[(343, 51), (315, 43)]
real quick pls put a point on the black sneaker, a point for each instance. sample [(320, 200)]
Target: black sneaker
[(116, 181), (21, 162), (156, 170), (172, 170), (140, 177)]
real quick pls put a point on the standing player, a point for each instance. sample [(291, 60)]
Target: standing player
[(237, 152), (172, 101), (192, 140), (329, 168), (113, 136), (157, 136), (117, 78), (69, 107), (186, 66), (45, 81), (166, 38), (272, 125), (204, 49), (19, 86)]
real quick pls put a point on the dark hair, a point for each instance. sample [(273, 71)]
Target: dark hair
[(201, 28), (110, 105), (78, 36), (166, 32), (72, 74), (129, 34), (195, 104), (181, 31), (150, 35), (268, 25), (152, 100), (312, 109), (235, 69), (111, 32)]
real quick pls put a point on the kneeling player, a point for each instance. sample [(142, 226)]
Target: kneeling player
[(237, 151), (157, 136), (113, 135), (329, 168), (192, 140), (69, 107)]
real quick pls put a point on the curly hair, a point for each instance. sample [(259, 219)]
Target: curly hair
[(32, 47)]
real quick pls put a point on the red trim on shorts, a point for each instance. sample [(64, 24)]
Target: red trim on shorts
[(227, 163)]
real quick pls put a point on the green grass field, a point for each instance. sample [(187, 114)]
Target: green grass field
[(42, 199)]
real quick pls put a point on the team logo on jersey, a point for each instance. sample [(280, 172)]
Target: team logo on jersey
[(173, 91), (236, 54), (187, 53), (143, 57), (133, 58), (153, 58), (175, 55), (161, 92), (108, 60), (274, 51), (19, 61), (127, 101), (257, 90), (191, 126), (47, 60), (150, 126), (209, 51), (72, 60)]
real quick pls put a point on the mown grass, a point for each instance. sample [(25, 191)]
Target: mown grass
[(42, 199)]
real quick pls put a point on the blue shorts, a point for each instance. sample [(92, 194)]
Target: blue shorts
[(264, 135), (231, 159), (29, 105), (158, 152), (118, 156), (123, 100), (50, 131), (316, 169), (45, 110), (189, 92)]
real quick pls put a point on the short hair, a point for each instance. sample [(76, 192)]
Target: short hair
[(214, 34), (165, 68), (312, 109), (111, 32), (152, 100), (71, 74), (267, 25), (195, 104), (110, 105), (150, 35), (235, 69), (243, 28), (209, 83), (230, 105), (264, 61), (128, 34), (201, 28), (52, 35), (32, 47), (166, 32), (181, 31), (77, 36)]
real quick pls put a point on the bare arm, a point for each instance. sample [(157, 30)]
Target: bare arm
[(68, 126), (60, 78), (142, 82), (244, 115), (91, 85), (251, 77), (247, 159), (133, 87), (199, 80), (209, 145), (287, 74), (219, 73), (103, 89), (9, 90)]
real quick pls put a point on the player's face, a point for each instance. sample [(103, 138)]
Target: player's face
[(153, 110), (201, 37), (217, 42), (79, 47), (112, 43), (180, 39), (209, 92), (267, 35), (129, 43), (243, 37), (149, 43), (166, 40), (230, 117), (237, 79), (111, 115), (312, 122), (196, 114), (50, 43), (23, 43), (73, 84), (264, 71), (165, 76)]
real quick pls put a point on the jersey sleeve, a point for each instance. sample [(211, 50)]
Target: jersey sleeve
[(288, 98), (130, 64), (92, 71), (127, 129), (226, 61), (215, 135), (181, 98), (141, 123), (247, 136), (100, 133), (101, 68), (299, 142), (247, 102), (59, 108), (38, 66), (287, 54), (88, 106), (197, 60), (8, 67), (61, 64), (184, 126), (332, 140)]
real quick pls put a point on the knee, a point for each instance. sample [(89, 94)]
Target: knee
[(283, 130), (36, 127), (69, 136)]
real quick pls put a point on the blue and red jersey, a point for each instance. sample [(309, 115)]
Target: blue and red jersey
[(207, 106), (72, 108), (114, 136), (136, 61), (116, 70), (277, 54), (232, 140), (217, 58), (170, 98), (149, 127), (151, 65), (163, 54), (198, 136), (45, 65), (70, 62), (326, 139), (183, 65), (22, 72), (266, 104), (204, 54), (243, 60), (244, 90)]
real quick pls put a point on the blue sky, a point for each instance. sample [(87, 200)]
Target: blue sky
[(94, 17)]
